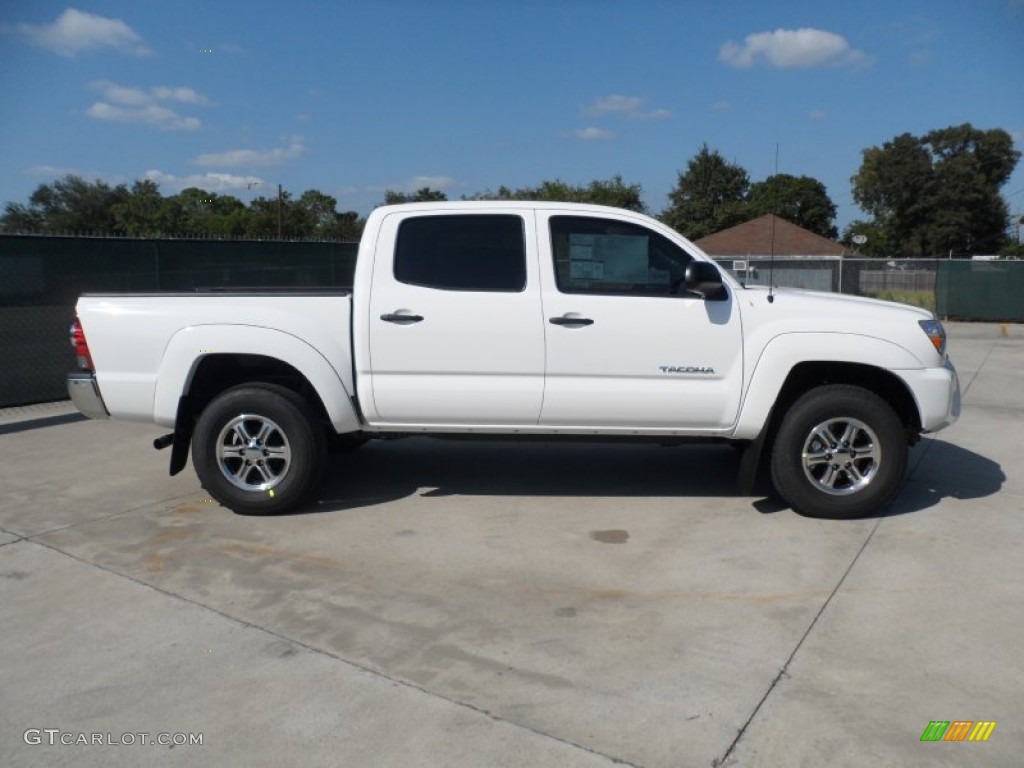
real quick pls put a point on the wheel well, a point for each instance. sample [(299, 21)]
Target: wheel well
[(888, 386), (216, 373)]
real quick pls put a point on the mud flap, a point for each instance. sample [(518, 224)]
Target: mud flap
[(184, 422), (750, 463)]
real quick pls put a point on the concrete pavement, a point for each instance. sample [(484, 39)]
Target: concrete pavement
[(467, 604)]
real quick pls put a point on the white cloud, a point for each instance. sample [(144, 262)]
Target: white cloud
[(151, 114), (76, 31), (234, 158), (180, 94), (592, 134), (793, 49), (130, 104), (625, 106), (51, 170), (135, 96), (121, 94), (817, 114), (212, 182), (721, 107)]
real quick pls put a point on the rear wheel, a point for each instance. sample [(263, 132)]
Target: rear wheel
[(840, 453), (258, 449)]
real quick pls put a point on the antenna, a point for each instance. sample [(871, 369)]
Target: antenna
[(771, 258)]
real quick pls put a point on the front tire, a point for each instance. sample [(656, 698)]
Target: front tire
[(840, 453), (258, 450)]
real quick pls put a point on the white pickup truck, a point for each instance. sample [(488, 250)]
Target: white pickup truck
[(514, 319)]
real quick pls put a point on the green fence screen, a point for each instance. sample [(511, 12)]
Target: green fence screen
[(41, 278), (980, 290)]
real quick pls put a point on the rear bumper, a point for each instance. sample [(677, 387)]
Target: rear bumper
[(85, 394)]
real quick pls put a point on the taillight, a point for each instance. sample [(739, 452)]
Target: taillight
[(80, 345)]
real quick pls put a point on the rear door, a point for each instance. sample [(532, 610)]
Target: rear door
[(626, 347), (455, 330)]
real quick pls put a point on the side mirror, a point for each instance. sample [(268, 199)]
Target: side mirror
[(704, 280)]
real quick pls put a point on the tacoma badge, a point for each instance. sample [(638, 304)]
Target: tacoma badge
[(685, 369)]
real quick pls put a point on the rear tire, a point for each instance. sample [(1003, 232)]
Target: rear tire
[(258, 449), (840, 453)]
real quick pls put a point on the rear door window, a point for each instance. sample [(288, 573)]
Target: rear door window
[(462, 253)]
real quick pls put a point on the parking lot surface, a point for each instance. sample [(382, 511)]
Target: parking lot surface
[(505, 604)]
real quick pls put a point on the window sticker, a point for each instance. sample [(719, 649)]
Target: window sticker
[(622, 258), (586, 270)]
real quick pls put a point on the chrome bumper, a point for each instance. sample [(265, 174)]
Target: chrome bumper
[(85, 394)]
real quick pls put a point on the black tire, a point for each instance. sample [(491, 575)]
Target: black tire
[(838, 480), (283, 467)]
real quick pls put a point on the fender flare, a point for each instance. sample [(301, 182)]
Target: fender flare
[(784, 352), (187, 346)]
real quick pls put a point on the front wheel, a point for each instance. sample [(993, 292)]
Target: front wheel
[(257, 449), (840, 453)]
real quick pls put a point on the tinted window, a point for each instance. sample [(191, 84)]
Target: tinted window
[(606, 256), (462, 253)]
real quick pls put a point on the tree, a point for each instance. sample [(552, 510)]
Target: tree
[(269, 216), (613, 192), (70, 204), (800, 200), (75, 205), (141, 212), (876, 243), (421, 195), (194, 211), (347, 226), (19, 218), (316, 215), (317, 212), (939, 193), (709, 196)]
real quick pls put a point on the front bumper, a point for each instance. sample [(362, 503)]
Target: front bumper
[(937, 391), (85, 394)]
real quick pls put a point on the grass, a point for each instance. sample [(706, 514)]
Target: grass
[(925, 299)]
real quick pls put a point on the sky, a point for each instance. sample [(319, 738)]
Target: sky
[(353, 98)]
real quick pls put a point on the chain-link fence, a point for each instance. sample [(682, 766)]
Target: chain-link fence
[(954, 289), (42, 277)]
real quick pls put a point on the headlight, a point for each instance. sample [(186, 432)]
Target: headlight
[(936, 333)]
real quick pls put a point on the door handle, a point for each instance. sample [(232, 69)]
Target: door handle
[(564, 320), (392, 317)]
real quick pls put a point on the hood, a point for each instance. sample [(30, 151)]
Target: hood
[(833, 303)]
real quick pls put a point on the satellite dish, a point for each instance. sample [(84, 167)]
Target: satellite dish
[(860, 239)]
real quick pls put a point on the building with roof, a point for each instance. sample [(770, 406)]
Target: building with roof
[(754, 239), (803, 259)]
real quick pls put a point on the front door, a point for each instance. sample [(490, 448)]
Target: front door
[(627, 348)]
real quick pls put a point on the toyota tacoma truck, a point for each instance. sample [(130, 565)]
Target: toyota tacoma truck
[(513, 320)]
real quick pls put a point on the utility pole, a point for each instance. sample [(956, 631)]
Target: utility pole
[(279, 196)]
